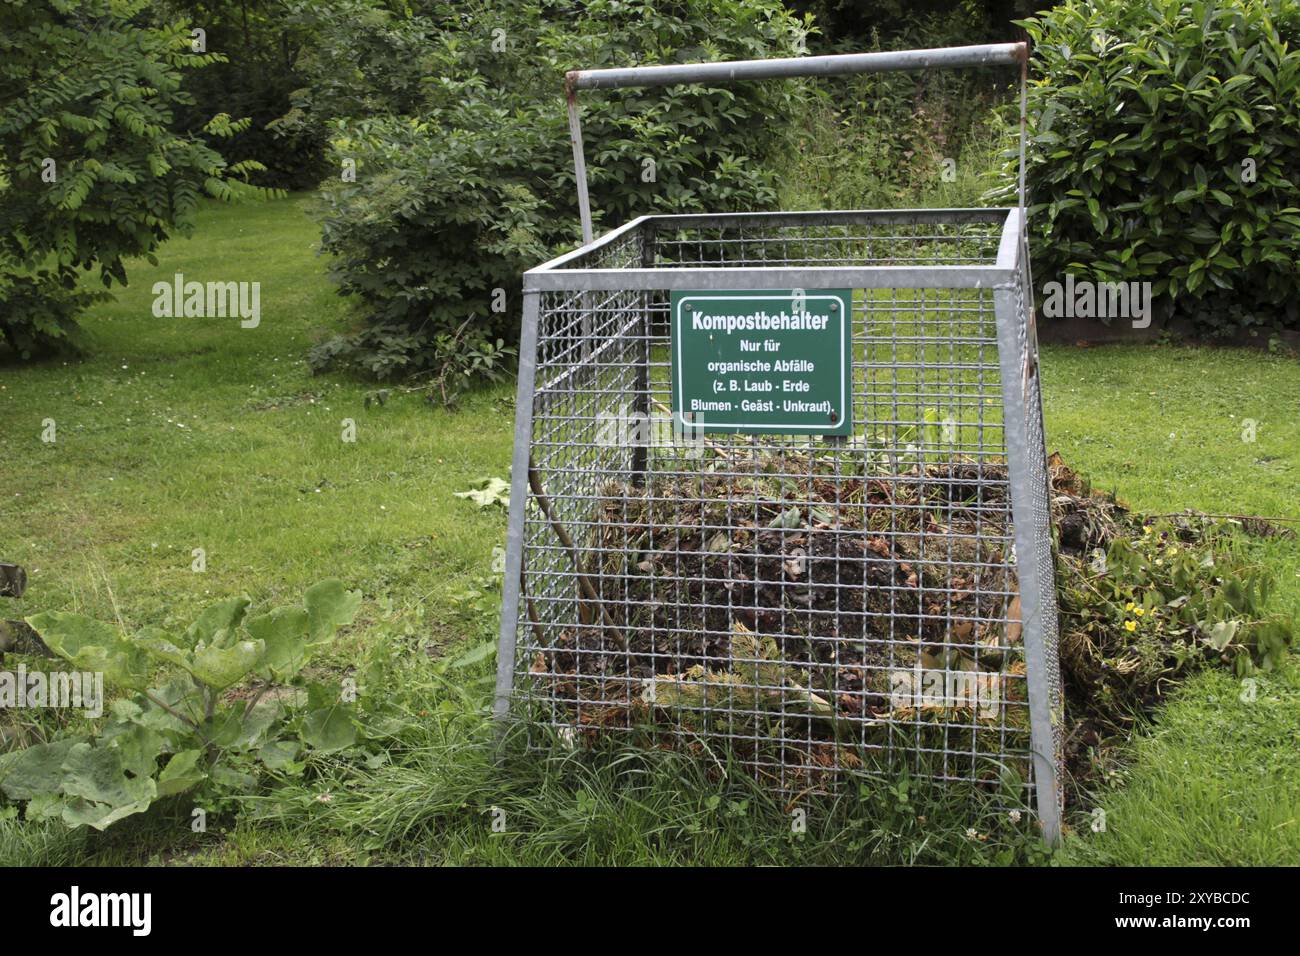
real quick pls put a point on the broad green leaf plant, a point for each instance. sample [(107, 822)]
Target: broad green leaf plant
[(1165, 148), (207, 709)]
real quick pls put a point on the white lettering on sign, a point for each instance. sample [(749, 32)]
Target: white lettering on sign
[(759, 322)]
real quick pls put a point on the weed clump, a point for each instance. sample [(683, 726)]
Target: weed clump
[(1145, 602)]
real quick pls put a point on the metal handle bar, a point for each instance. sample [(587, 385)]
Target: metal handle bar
[(941, 58)]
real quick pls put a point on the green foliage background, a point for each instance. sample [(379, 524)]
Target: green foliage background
[(454, 117), (451, 115), (93, 86), (1143, 113), (263, 41)]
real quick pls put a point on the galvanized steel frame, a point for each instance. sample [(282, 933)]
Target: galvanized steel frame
[(1005, 278)]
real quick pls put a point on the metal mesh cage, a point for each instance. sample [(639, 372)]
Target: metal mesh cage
[(818, 605)]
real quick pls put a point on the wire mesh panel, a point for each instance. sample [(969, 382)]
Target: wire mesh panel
[(819, 605)]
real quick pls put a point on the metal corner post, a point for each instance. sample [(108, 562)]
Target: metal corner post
[(1027, 537), (511, 591), (579, 158)]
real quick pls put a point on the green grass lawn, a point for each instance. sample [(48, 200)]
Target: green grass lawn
[(1217, 781), (177, 434)]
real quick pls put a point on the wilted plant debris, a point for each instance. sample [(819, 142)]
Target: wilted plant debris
[(1144, 602), (813, 613)]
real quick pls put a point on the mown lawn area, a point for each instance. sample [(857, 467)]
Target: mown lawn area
[(1216, 782), (179, 434), (176, 434)]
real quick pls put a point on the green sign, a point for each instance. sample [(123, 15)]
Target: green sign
[(778, 362)]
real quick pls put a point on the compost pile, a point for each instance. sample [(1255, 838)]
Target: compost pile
[(787, 591), (1145, 601), (773, 603)]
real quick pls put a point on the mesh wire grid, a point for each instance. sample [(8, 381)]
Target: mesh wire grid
[(815, 605)]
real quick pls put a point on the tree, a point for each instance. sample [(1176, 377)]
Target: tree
[(265, 41), (455, 174), (91, 170)]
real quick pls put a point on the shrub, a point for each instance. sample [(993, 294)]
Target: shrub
[(1147, 601), (264, 43), (464, 181), (901, 139), (1166, 148), (440, 216), (91, 172)]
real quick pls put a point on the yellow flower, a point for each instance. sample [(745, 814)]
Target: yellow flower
[(1128, 606), (1139, 612), (1130, 625), (1146, 529), (1171, 552)]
